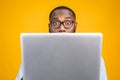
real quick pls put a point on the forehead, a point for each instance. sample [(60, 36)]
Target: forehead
[(62, 13)]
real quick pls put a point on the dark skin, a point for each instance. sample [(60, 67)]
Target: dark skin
[(62, 15)]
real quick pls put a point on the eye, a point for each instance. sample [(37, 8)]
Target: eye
[(67, 23), (55, 24)]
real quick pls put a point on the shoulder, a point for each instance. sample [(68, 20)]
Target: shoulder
[(20, 73), (103, 75)]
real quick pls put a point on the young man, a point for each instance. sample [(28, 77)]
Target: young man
[(63, 19)]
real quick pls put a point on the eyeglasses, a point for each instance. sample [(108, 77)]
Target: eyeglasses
[(67, 23)]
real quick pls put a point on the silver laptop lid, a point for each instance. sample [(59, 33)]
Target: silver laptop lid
[(61, 56)]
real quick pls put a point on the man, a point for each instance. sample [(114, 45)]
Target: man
[(62, 19)]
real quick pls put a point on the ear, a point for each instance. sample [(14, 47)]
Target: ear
[(49, 27), (75, 25)]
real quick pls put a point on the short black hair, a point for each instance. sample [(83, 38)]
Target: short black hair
[(62, 7)]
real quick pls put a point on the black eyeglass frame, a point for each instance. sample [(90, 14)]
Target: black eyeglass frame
[(62, 23)]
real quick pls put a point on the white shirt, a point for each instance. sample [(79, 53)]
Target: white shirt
[(103, 75)]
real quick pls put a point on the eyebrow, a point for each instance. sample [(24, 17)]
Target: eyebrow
[(65, 17)]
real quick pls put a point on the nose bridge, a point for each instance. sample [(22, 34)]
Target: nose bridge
[(62, 27)]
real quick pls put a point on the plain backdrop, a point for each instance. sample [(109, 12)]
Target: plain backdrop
[(17, 16)]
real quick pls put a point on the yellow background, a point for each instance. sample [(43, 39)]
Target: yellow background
[(17, 16)]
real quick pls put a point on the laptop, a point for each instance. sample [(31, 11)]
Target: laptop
[(61, 56)]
